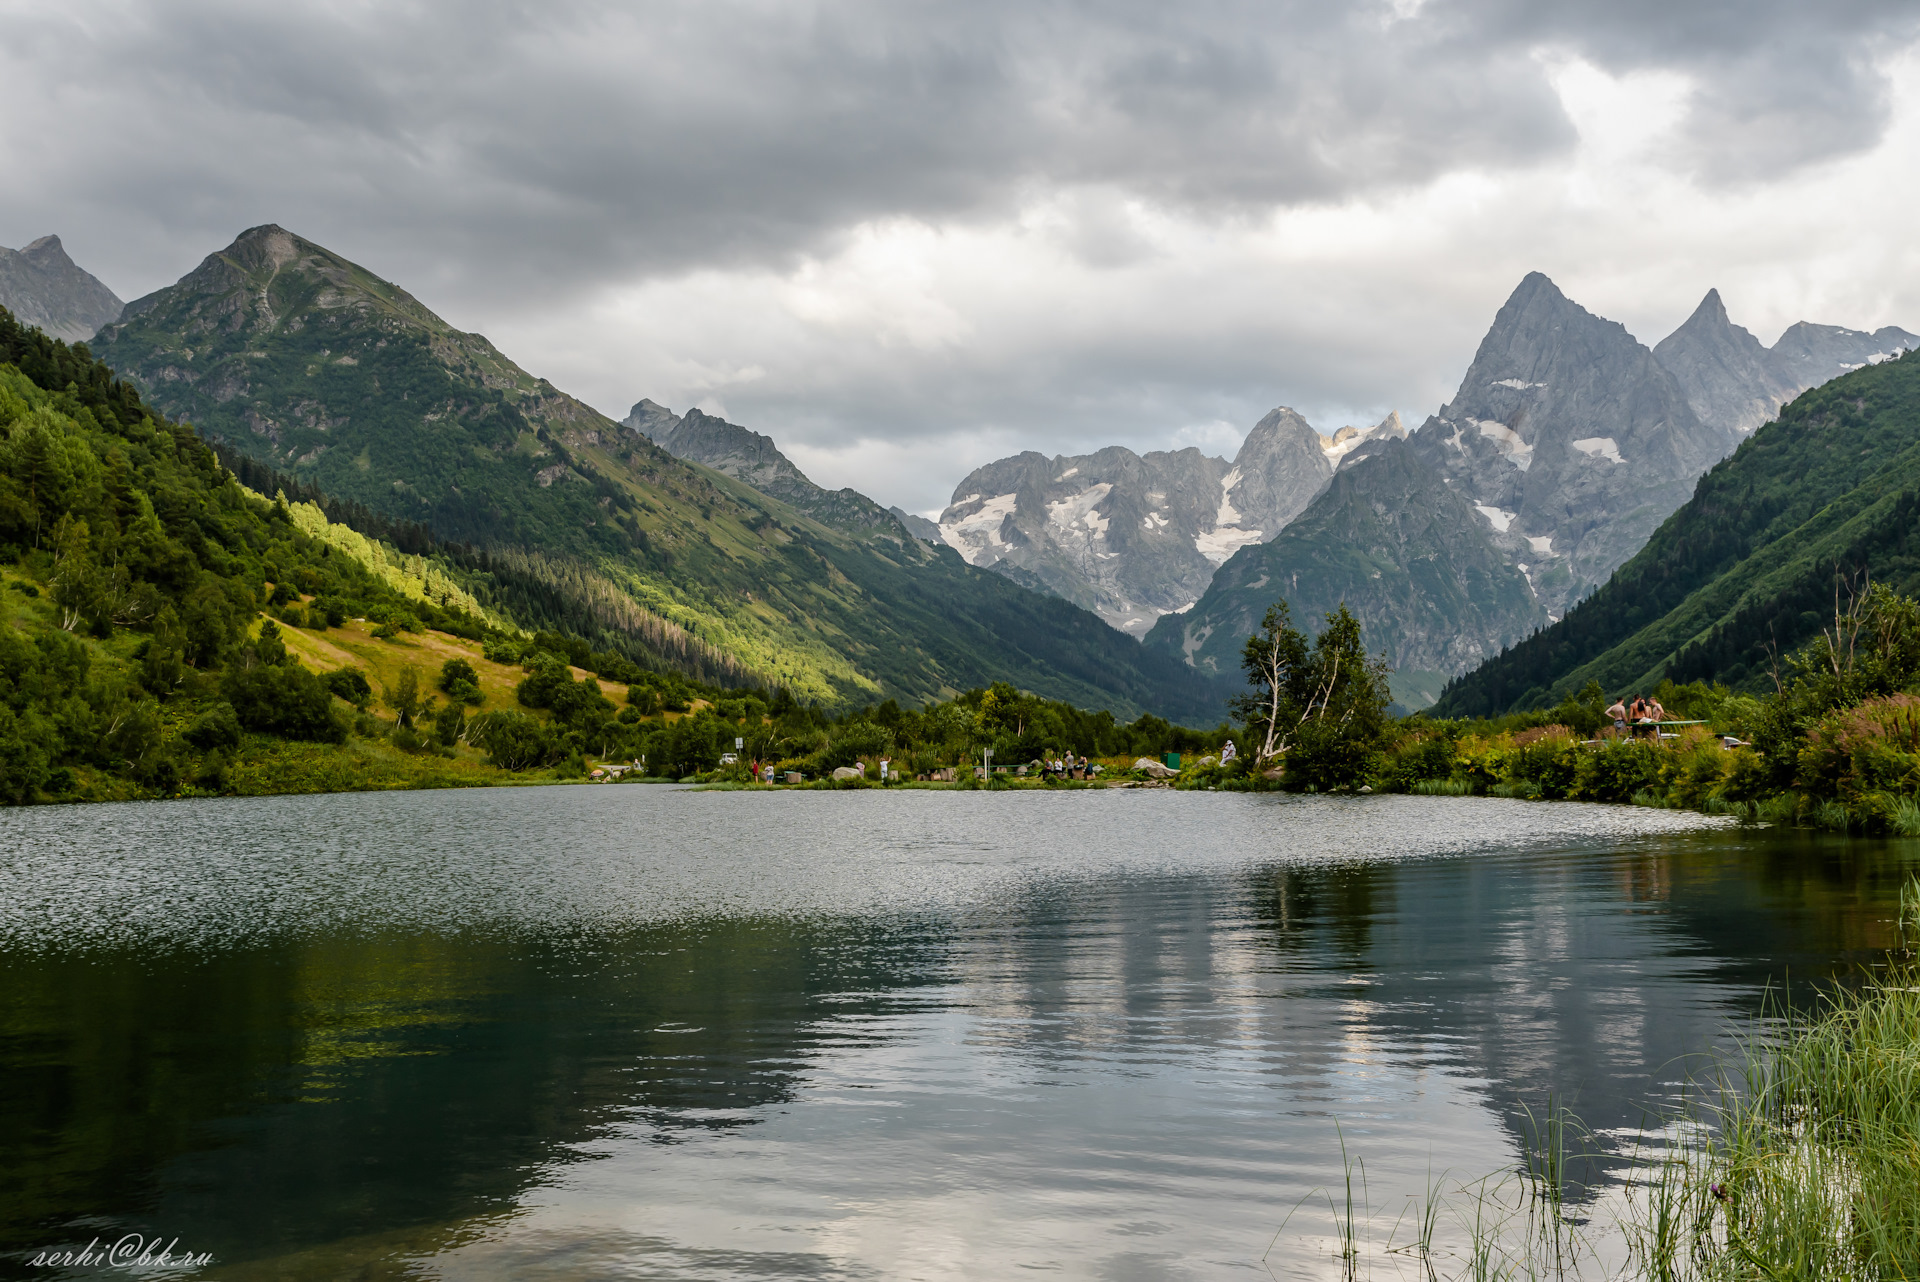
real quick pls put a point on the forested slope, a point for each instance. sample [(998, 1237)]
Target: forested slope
[(288, 354), (1812, 505)]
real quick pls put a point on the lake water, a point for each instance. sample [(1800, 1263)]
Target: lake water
[(646, 1032)]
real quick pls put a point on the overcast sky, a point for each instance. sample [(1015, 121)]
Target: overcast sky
[(905, 239)]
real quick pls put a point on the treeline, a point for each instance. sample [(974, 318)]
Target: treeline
[(679, 728), (1835, 745)]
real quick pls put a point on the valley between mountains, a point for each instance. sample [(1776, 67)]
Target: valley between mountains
[(1574, 468)]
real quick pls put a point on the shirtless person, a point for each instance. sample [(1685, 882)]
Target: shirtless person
[(1618, 712)]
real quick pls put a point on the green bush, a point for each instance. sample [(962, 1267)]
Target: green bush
[(1618, 769), (351, 685), (286, 700), (460, 682), (216, 727), (511, 740)]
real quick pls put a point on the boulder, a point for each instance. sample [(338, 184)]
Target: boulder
[(1153, 769), (848, 772)]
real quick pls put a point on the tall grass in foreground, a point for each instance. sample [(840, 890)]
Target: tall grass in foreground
[(1812, 1166), (1802, 1163), (1808, 1162)]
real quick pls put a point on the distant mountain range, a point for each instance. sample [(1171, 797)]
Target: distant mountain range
[(1566, 446), (297, 358), (753, 459), (1135, 537), (41, 286)]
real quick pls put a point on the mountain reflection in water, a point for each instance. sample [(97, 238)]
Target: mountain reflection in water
[(644, 1032)]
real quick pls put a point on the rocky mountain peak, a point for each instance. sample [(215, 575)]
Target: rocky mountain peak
[(42, 286), (1734, 383), (1341, 446), (651, 419), (1728, 379), (752, 458), (1281, 465), (1570, 439)]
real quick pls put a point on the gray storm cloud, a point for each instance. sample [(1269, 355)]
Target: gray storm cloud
[(516, 165), (521, 151)]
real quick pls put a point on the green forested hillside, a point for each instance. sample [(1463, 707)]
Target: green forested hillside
[(134, 572), (1810, 507), (308, 364)]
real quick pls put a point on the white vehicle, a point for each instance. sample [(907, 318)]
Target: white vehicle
[(728, 759)]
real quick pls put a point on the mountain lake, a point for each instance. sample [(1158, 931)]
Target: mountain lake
[(649, 1032)]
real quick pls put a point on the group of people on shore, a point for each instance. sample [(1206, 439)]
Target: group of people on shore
[(1067, 767), (1643, 715)]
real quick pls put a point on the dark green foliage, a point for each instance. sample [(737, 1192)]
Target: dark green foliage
[(284, 699), (217, 726), (460, 682), (512, 740), (1322, 708), (351, 685)]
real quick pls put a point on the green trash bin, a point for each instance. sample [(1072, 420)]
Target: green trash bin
[(1171, 761)]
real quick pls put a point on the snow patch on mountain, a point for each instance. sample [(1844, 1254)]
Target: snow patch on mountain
[(976, 535), (1222, 542), (1076, 515), (1495, 517), (1510, 443), (1599, 447)]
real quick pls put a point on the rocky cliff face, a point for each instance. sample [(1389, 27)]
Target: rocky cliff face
[(41, 286), (747, 456), (1132, 537), (1406, 552), (1570, 441), (1565, 447), (1729, 381), (1733, 382), (1808, 355)]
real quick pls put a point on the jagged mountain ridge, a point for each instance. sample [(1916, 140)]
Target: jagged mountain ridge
[(42, 286), (1133, 537), (1569, 442), (755, 460), (1821, 500), (1733, 381), (297, 357), (1569, 439)]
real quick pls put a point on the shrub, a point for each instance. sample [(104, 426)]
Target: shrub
[(23, 755), (1618, 769), (351, 685), (1548, 760), (1874, 747), (216, 727), (511, 740), (285, 700), (1417, 759), (460, 682)]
